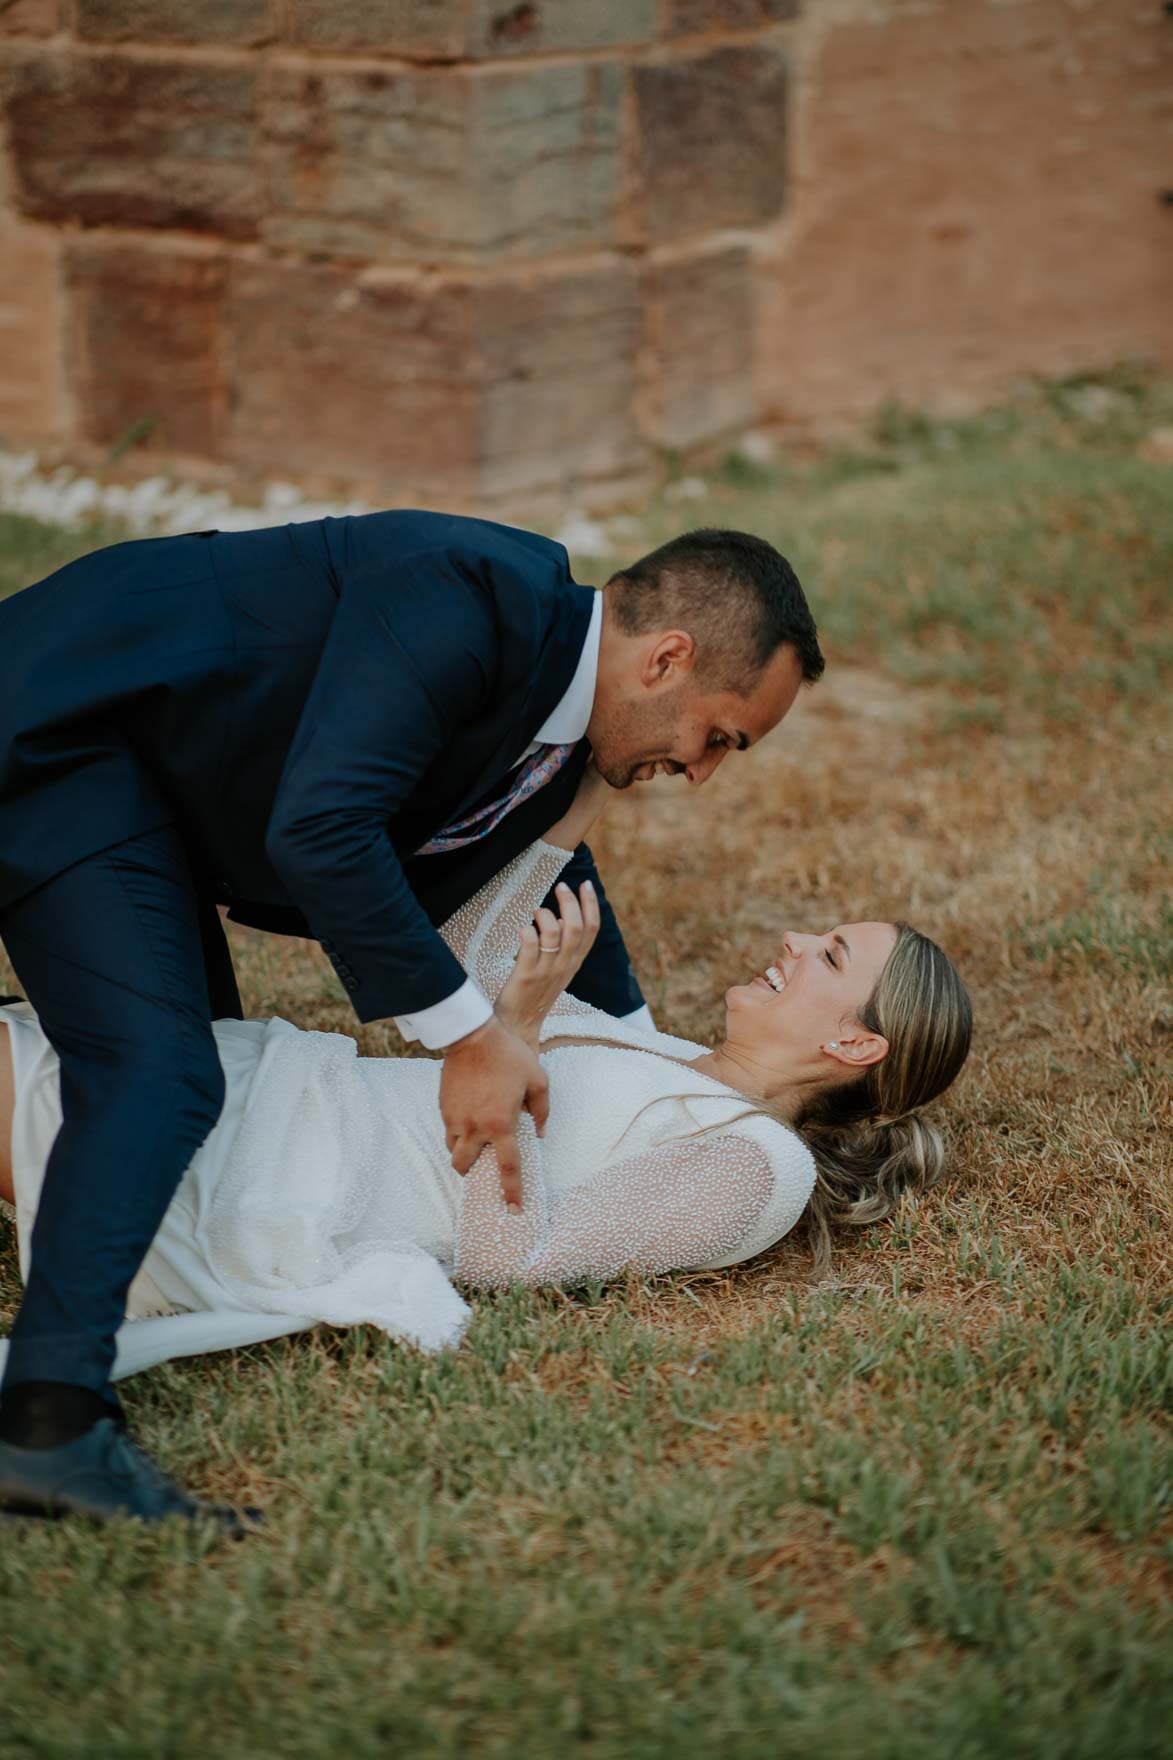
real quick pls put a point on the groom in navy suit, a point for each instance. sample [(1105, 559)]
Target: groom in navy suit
[(339, 729)]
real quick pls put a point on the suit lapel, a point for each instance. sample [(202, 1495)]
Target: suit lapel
[(515, 726)]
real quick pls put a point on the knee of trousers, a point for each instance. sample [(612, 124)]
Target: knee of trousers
[(199, 1081), (184, 1081)]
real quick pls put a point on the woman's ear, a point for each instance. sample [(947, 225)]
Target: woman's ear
[(857, 1048)]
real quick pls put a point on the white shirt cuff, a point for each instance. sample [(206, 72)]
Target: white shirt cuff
[(445, 1022), (640, 1017)]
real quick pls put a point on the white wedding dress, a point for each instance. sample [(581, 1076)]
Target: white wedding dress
[(325, 1192)]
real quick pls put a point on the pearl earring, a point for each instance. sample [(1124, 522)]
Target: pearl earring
[(833, 1046)]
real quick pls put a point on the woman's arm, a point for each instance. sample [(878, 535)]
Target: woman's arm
[(680, 1205), (576, 824), (7, 1110)]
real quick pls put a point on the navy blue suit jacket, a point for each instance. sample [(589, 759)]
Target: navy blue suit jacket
[(310, 704)]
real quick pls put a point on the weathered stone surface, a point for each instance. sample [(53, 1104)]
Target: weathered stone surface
[(533, 27), (389, 27), (450, 29), (136, 140), (368, 162), (33, 398), (374, 382), (991, 212), (401, 164), (410, 385), (711, 140), (689, 17), (698, 339), (546, 157), (174, 21), (147, 327), (29, 18), (558, 353)]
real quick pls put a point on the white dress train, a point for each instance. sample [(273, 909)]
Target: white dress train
[(325, 1192)]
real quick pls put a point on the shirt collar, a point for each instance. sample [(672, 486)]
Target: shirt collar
[(567, 722)]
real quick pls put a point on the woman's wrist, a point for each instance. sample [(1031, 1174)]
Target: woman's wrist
[(524, 1027)]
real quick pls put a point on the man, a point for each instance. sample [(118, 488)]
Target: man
[(340, 729)]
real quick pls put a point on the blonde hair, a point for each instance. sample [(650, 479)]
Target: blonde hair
[(869, 1142)]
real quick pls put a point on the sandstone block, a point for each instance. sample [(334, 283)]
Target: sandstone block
[(689, 17), (33, 404), (29, 18), (174, 21), (698, 339), (711, 140), (367, 162), (403, 164), (108, 138), (924, 261), (147, 327), (546, 157), (559, 357), (374, 383), (457, 385), (391, 27), (533, 27)]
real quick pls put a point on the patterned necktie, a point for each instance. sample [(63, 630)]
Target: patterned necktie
[(537, 770)]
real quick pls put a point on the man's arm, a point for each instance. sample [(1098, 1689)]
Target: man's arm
[(398, 674), (400, 671)]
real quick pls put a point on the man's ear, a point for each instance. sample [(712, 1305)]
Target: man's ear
[(670, 658), (856, 1048)]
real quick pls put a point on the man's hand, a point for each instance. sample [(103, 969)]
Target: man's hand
[(488, 1077)]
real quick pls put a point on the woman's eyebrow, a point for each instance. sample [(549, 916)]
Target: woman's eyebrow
[(837, 937)]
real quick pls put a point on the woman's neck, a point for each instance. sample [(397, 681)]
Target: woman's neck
[(733, 1066)]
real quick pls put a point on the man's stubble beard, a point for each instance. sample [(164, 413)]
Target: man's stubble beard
[(634, 734)]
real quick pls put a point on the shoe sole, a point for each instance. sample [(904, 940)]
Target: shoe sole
[(250, 1523)]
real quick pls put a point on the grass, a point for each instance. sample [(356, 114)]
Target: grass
[(922, 1507)]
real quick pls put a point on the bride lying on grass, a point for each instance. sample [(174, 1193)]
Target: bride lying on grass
[(326, 1191)]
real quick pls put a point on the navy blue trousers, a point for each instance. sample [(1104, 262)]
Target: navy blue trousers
[(126, 966)]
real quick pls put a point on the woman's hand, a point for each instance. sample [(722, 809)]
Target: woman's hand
[(589, 801), (550, 951)]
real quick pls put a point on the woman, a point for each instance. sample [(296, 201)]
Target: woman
[(326, 1192)]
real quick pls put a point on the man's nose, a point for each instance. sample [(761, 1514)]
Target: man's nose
[(704, 767)]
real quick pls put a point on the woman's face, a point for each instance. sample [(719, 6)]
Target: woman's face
[(810, 996)]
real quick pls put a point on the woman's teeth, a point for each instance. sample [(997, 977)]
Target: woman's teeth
[(775, 979)]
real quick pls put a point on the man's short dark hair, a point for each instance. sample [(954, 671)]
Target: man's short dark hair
[(735, 594)]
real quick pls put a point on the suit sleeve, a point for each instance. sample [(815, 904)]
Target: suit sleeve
[(606, 979), (406, 662)]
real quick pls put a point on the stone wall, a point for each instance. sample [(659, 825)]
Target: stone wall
[(472, 250)]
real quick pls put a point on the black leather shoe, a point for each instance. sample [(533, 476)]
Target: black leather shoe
[(103, 1474)]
